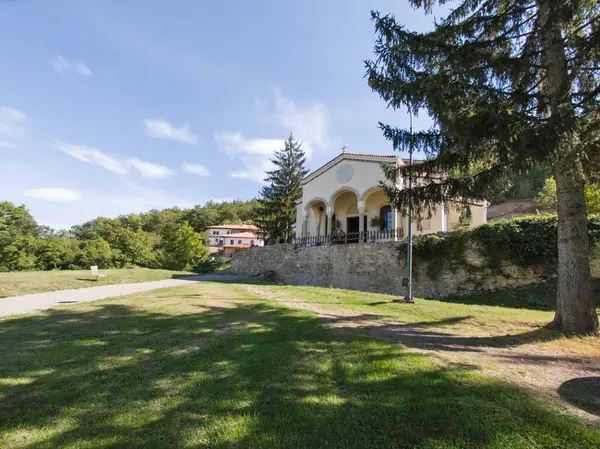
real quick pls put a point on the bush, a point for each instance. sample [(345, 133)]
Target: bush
[(525, 241)]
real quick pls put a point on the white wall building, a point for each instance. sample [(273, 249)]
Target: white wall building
[(344, 195), (234, 235)]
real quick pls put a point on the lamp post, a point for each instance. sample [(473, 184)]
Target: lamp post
[(408, 298), (408, 281)]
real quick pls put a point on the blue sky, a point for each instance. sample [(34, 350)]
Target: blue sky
[(110, 107)]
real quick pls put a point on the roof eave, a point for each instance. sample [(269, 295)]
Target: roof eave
[(335, 160)]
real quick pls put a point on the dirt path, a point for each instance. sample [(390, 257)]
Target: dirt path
[(538, 369)]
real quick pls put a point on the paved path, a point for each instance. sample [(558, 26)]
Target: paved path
[(36, 302)]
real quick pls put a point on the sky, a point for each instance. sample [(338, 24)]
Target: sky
[(109, 107)]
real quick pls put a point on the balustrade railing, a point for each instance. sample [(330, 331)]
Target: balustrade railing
[(343, 238)]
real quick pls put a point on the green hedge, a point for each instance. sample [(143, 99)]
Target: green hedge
[(525, 241)]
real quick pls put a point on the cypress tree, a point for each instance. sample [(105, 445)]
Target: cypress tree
[(277, 206), (510, 84)]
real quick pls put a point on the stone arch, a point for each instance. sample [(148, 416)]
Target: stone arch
[(341, 190), (374, 198), (369, 192), (312, 202)]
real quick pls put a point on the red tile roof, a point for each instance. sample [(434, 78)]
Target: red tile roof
[(370, 154), (242, 227), (391, 156)]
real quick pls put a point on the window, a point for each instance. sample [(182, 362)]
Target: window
[(221, 242), (252, 242), (231, 242), (239, 242), (386, 218)]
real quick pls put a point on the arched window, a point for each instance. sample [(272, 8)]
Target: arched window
[(386, 218)]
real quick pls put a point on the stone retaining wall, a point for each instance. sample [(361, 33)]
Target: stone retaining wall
[(376, 267)]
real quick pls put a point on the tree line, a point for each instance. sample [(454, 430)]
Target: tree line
[(170, 238)]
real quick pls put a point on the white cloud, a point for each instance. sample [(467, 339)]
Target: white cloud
[(195, 169), (253, 154), (62, 65), (115, 164), (309, 124), (53, 194), (13, 126), (82, 69), (150, 170), (93, 156), (161, 129)]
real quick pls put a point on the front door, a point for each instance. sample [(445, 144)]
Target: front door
[(352, 228)]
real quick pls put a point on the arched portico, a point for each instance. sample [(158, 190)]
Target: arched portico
[(347, 190), (377, 204), (346, 213), (350, 211), (315, 217)]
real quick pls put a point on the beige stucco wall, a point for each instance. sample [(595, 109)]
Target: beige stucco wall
[(374, 201), (478, 214), (345, 205), (317, 216), (345, 197), (366, 175)]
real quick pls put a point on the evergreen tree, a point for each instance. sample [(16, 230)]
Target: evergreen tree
[(276, 212), (510, 84)]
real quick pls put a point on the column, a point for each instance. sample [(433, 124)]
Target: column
[(306, 224), (443, 215), (361, 220), (395, 224), (329, 212)]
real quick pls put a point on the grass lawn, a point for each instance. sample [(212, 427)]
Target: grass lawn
[(22, 283), (467, 316), (211, 365)]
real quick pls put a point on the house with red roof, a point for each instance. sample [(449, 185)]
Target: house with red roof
[(234, 237)]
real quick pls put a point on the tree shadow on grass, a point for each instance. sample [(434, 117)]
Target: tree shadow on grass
[(252, 376), (535, 297), (583, 392), (377, 303), (423, 334), (207, 277)]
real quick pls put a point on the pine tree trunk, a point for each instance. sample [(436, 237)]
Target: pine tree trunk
[(575, 310)]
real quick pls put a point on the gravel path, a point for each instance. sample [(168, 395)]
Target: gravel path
[(36, 302)]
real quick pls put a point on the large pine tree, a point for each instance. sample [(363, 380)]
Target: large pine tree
[(510, 84), (277, 206)]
